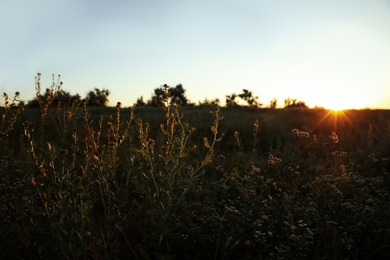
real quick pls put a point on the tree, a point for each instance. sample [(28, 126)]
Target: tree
[(273, 103), (54, 96), (97, 97), (293, 103), (177, 95), (159, 95), (64, 98), (247, 96), (140, 102), (231, 100), (207, 102)]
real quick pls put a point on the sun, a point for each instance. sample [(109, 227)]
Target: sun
[(337, 108), (343, 100), (336, 119)]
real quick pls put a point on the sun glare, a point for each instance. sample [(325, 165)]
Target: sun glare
[(336, 119), (339, 102), (339, 107), (335, 106)]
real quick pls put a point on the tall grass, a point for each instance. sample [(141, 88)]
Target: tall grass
[(81, 183)]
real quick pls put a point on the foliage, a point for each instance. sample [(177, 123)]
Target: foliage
[(97, 97), (63, 98), (246, 96), (293, 103), (231, 100), (54, 96), (273, 103), (7, 119), (177, 95), (206, 102), (140, 102)]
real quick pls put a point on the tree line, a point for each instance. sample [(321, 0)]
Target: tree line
[(55, 96), (177, 95)]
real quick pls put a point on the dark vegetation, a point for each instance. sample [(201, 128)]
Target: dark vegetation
[(178, 182)]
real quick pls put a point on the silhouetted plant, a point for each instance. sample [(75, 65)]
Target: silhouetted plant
[(98, 97), (211, 102), (62, 98), (46, 100), (177, 95), (7, 121), (293, 103), (248, 97), (231, 100), (140, 102), (273, 103)]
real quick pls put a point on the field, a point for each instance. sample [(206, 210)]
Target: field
[(194, 182)]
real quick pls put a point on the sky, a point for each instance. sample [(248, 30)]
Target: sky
[(334, 53)]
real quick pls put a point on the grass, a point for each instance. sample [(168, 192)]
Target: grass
[(194, 182)]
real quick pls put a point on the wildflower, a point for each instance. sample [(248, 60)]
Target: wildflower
[(247, 243)]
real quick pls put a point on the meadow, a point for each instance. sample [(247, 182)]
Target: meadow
[(194, 182)]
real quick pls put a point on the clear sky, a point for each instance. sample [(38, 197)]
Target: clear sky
[(333, 53)]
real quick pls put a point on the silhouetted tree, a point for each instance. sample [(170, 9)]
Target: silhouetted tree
[(231, 100), (140, 102), (273, 103), (177, 95), (97, 97), (159, 95), (53, 96), (207, 102), (65, 98), (35, 103), (21, 104), (247, 96), (293, 103), (47, 98)]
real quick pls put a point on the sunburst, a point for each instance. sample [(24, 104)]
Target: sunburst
[(336, 118)]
